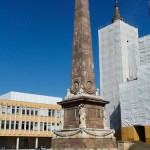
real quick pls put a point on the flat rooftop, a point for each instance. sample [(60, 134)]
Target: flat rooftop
[(27, 97)]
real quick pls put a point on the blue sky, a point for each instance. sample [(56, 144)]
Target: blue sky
[(36, 41)]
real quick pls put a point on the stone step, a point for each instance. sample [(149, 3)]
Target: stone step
[(133, 146)]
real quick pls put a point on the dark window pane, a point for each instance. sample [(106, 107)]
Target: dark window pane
[(12, 125), (32, 112), (17, 125), (2, 124), (18, 109), (49, 112), (31, 126), (22, 126), (13, 109), (45, 126), (7, 124), (36, 112), (27, 125)]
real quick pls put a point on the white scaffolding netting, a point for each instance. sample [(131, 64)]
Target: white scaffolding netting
[(129, 103), (135, 99), (144, 50), (144, 94), (118, 55)]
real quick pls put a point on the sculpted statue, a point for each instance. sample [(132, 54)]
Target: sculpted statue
[(69, 94), (82, 115), (97, 92)]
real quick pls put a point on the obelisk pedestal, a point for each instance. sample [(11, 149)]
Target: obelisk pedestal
[(84, 125)]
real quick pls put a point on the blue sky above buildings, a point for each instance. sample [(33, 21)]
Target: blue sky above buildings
[(36, 41)]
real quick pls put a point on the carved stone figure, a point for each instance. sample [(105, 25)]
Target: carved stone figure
[(97, 92), (82, 115), (69, 94)]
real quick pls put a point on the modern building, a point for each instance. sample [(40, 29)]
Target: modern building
[(28, 120), (135, 99), (118, 49)]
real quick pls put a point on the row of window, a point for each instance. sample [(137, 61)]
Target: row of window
[(6, 109), (32, 126)]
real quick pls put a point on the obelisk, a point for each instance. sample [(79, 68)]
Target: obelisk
[(84, 111), (82, 60)]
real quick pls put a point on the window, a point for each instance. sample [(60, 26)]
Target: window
[(18, 110), (4, 109), (53, 113), (13, 109), (49, 112), (49, 127), (28, 111), (2, 124), (32, 112), (17, 125), (23, 125), (31, 126), (7, 124), (53, 126), (41, 126), (58, 113), (23, 110), (27, 125), (42, 112), (36, 112), (36, 126), (8, 109), (45, 126), (12, 125)]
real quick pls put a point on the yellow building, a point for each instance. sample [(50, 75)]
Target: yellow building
[(28, 120)]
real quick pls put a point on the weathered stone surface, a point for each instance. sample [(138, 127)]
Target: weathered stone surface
[(84, 143), (72, 132), (82, 60), (94, 106)]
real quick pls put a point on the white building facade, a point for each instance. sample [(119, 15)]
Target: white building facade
[(118, 49)]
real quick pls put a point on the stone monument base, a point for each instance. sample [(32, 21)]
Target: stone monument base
[(83, 143), (84, 138)]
